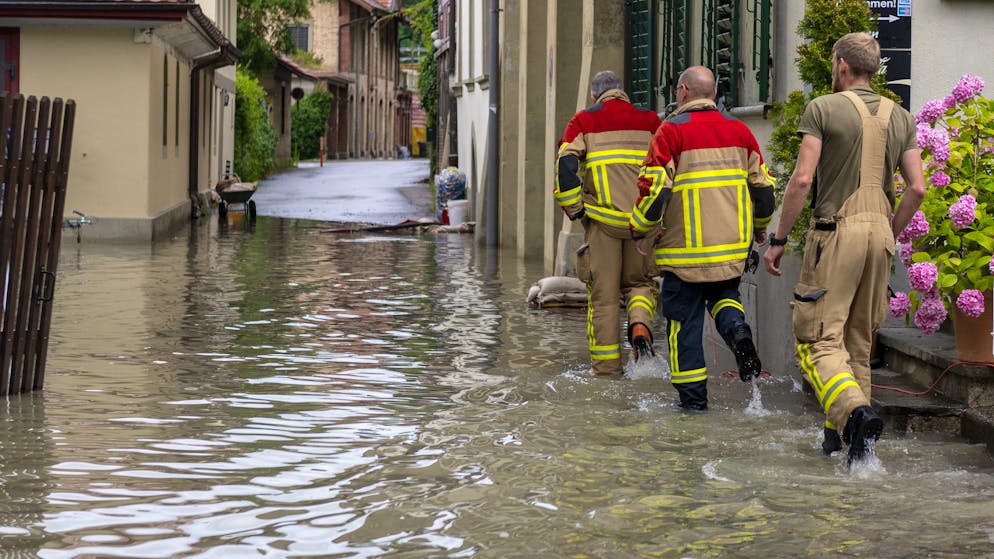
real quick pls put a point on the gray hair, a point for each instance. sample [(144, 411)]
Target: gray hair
[(604, 81)]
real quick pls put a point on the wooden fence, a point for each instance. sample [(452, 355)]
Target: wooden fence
[(34, 169)]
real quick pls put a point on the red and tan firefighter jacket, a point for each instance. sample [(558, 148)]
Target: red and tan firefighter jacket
[(599, 159), (705, 182)]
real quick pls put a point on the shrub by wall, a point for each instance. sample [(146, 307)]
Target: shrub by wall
[(310, 118), (255, 138)]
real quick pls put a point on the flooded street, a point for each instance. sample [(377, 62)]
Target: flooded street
[(274, 391)]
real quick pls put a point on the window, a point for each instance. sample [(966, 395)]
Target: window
[(639, 80), (165, 99), (299, 33)]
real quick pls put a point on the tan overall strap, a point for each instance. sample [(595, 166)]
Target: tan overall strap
[(872, 162)]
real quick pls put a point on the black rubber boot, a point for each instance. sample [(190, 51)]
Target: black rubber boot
[(640, 337), (693, 395), (745, 354), (862, 430), (832, 442)]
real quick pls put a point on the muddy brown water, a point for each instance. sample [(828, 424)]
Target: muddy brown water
[(273, 391)]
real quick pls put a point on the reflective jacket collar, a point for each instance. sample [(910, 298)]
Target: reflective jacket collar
[(612, 94), (696, 105)]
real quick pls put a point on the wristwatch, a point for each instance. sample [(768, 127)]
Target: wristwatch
[(775, 242)]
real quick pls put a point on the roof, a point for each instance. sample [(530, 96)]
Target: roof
[(311, 73), (180, 23), (378, 5)]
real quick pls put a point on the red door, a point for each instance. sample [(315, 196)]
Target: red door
[(10, 48)]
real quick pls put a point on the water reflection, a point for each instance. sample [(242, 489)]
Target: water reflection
[(266, 390)]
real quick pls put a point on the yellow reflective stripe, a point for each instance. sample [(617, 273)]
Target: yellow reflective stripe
[(767, 175), (836, 386), (614, 160), (639, 222), (562, 146), (672, 340), (695, 375), (688, 226), (710, 255), (604, 354), (745, 213), (569, 197), (611, 152), (591, 341), (829, 424), (762, 222), (607, 215), (696, 218), (724, 304), (710, 174), (804, 356), (600, 188), (641, 301)]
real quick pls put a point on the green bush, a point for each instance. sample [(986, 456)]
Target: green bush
[(310, 118), (255, 138), (824, 22)]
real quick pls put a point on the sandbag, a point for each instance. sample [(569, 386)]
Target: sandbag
[(558, 291)]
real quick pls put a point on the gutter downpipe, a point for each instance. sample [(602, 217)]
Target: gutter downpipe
[(203, 62), (493, 130)]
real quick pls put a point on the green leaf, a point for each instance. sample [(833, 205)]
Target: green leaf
[(981, 239), (920, 257), (947, 280)]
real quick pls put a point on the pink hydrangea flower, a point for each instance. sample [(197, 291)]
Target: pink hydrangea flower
[(917, 227), (922, 276), (963, 212), (939, 144), (900, 304), (940, 178), (930, 315), (971, 302), (968, 86), (905, 251), (931, 111)]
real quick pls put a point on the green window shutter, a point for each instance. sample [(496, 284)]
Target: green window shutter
[(720, 46), (676, 45), (639, 49)]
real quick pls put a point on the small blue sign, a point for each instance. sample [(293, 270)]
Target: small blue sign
[(904, 8)]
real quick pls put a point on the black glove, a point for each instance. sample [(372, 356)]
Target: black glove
[(578, 215)]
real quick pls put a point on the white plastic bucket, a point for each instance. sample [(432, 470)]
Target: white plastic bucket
[(457, 211)]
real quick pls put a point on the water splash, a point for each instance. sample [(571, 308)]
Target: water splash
[(755, 407), (710, 471), (654, 367)]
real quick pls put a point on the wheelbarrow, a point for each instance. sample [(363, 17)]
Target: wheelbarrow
[(233, 191)]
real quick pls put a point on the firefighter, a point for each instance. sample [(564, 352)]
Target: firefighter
[(853, 139), (596, 168), (705, 182)]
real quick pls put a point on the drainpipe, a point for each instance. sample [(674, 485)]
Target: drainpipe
[(205, 61), (493, 130)]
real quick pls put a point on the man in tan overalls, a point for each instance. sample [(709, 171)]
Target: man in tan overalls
[(854, 139)]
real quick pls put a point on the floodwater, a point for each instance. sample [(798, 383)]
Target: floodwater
[(276, 391)]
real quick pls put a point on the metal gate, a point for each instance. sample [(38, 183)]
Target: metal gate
[(34, 169)]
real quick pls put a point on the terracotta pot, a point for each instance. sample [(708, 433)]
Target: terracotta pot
[(973, 335)]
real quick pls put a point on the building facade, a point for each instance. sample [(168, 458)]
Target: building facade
[(155, 90), (357, 44)]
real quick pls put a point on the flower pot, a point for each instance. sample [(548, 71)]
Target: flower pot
[(973, 335)]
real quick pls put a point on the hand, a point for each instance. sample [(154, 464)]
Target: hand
[(760, 238), (578, 215), (638, 246), (772, 259)]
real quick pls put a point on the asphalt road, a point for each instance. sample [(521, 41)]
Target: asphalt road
[(370, 192)]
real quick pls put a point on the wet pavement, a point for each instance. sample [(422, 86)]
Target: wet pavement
[(264, 389), (374, 192)]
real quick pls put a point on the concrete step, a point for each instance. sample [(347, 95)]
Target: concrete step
[(961, 399), (924, 359)]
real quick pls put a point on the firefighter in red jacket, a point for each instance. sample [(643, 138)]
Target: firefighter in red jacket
[(596, 171), (705, 182)]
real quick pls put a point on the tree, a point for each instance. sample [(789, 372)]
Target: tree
[(824, 22), (423, 18), (262, 30)]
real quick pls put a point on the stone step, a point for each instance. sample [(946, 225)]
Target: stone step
[(924, 359), (907, 407), (961, 400)]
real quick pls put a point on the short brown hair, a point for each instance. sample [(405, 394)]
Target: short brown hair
[(861, 52)]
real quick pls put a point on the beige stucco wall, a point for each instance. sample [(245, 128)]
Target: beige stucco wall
[(108, 76), (324, 33), (168, 170)]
